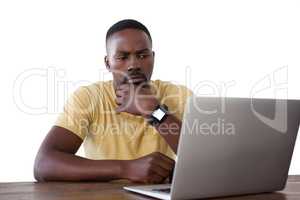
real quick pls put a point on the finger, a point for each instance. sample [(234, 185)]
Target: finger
[(119, 109), (164, 164), (160, 171), (119, 100), (128, 88), (171, 175), (164, 157), (123, 92), (125, 86), (155, 178), (145, 85), (119, 93), (167, 167)]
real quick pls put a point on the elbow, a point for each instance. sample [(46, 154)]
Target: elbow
[(40, 170), (38, 175)]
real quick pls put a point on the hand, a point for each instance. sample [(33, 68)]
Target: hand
[(136, 99), (153, 168)]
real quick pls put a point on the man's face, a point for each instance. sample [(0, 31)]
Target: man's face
[(129, 57)]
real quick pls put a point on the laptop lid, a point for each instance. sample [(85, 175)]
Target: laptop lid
[(231, 146)]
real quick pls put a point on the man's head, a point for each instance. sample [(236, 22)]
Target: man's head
[(129, 52)]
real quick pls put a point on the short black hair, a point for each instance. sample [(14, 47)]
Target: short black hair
[(127, 24)]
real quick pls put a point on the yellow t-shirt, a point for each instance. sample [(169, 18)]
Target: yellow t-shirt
[(90, 114)]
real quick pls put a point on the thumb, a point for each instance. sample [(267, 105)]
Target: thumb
[(119, 109)]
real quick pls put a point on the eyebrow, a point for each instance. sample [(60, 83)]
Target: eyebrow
[(142, 50), (122, 52), (138, 51)]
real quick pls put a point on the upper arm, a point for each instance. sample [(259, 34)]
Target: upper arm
[(66, 136), (70, 128), (61, 139), (77, 113), (57, 140)]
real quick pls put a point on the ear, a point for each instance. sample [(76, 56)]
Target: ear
[(106, 63), (153, 53)]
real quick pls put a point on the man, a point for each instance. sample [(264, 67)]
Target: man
[(129, 126)]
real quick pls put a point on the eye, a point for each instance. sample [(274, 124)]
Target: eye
[(121, 57), (142, 56)]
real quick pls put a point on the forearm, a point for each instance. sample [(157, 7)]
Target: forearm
[(59, 166), (169, 129)]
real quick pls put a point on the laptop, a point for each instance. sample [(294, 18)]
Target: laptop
[(231, 146)]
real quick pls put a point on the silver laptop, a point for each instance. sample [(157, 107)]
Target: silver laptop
[(231, 146)]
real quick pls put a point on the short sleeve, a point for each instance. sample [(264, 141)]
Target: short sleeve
[(175, 98), (185, 94), (77, 112)]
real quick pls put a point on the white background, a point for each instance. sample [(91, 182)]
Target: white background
[(49, 48)]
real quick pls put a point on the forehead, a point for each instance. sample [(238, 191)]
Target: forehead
[(128, 40)]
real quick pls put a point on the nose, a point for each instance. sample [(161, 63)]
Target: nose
[(133, 64), (132, 69)]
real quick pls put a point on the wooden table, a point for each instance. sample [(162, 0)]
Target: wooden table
[(114, 191)]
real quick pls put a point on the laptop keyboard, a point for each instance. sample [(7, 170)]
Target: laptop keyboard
[(164, 190)]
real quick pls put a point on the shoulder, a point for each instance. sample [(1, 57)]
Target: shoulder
[(174, 96), (93, 90), (97, 87), (169, 88), (90, 95)]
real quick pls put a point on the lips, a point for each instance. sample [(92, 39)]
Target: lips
[(136, 78)]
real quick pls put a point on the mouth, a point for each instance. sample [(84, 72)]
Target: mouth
[(136, 79)]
